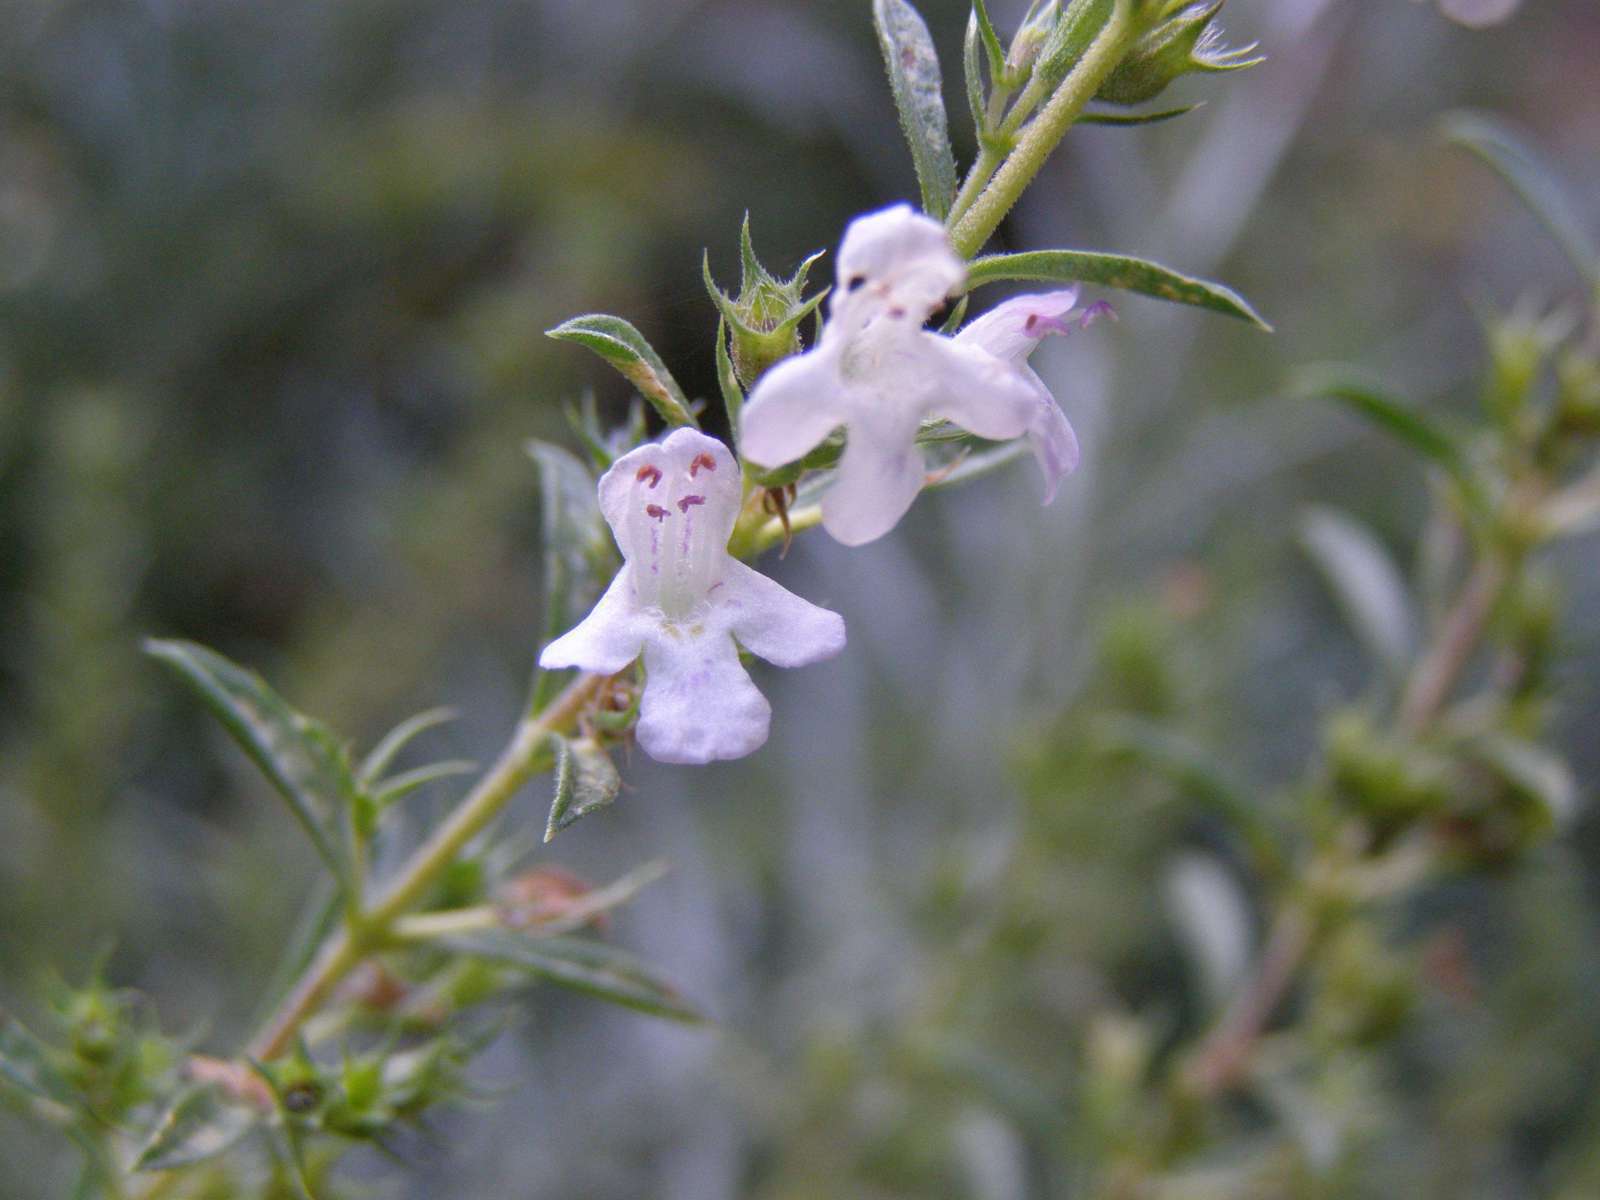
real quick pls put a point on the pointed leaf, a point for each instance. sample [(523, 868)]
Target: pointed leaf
[(28, 1064), (1363, 578), (624, 347), (728, 382), (1124, 119), (202, 1123), (299, 756), (1115, 271), (913, 66), (586, 779), (396, 740), (1393, 415), (583, 965), (1511, 157), (402, 785)]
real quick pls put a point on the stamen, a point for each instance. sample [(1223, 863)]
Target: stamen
[(701, 460), (650, 473), (656, 511), (688, 501)]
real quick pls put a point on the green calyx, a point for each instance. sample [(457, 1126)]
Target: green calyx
[(1185, 41), (764, 319)]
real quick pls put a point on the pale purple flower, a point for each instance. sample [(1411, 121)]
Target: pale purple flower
[(682, 601), (876, 371), (1010, 332)]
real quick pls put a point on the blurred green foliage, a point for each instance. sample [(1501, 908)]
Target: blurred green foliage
[(271, 286)]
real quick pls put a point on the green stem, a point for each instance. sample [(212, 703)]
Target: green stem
[(1044, 133), (347, 948)]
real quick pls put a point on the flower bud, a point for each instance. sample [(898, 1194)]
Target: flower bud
[(1184, 43), (764, 319)]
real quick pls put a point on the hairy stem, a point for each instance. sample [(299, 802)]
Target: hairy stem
[(351, 944), (1045, 131)]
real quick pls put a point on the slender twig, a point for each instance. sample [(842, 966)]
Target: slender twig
[(1463, 629), (357, 939), (1222, 1057)]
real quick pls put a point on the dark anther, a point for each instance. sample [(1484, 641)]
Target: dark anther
[(656, 511), (702, 460), (650, 473), (688, 502)]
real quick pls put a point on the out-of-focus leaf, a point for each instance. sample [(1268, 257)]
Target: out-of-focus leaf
[(1213, 919), (1539, 773), (299, 756), (976, 465), (1365, 581), (1510, 156), (286, 1136), (624, 347), (1361, 395), (1576, 508), (397, 739), (1115, 271), (316, 921), (28, 1064), (578, 555), (586, 779), (913, 66), (1149, 118), (583, 965), (202, 1123)]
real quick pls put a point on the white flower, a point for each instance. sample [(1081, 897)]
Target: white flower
[(877, 372), (681, 599)]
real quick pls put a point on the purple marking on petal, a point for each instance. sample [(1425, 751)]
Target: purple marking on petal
[(656, 511), (688, 529), (685, 503), (1094, 312), (1040, 325)]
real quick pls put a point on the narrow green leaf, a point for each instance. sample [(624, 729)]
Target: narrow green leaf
[(728, 381), (403, 784), (300, 757), (1124, 119), (579, 557), (583, 965), (1115, 271), (396, 740), (29, 1065), (202, 1123), (982, 43), (1509, 154), (586, 779), (624, 347), (1365, 581), (1358, 393), (913, 66)]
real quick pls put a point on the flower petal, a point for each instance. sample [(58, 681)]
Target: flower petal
[(877, 482), (1014, 329), (901, 258), (608, 639), (1055, 445), (796, 404), (771, 621), (981, 393), (699, 705)]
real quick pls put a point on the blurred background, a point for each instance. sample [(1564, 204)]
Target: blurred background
[(273, 281)]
